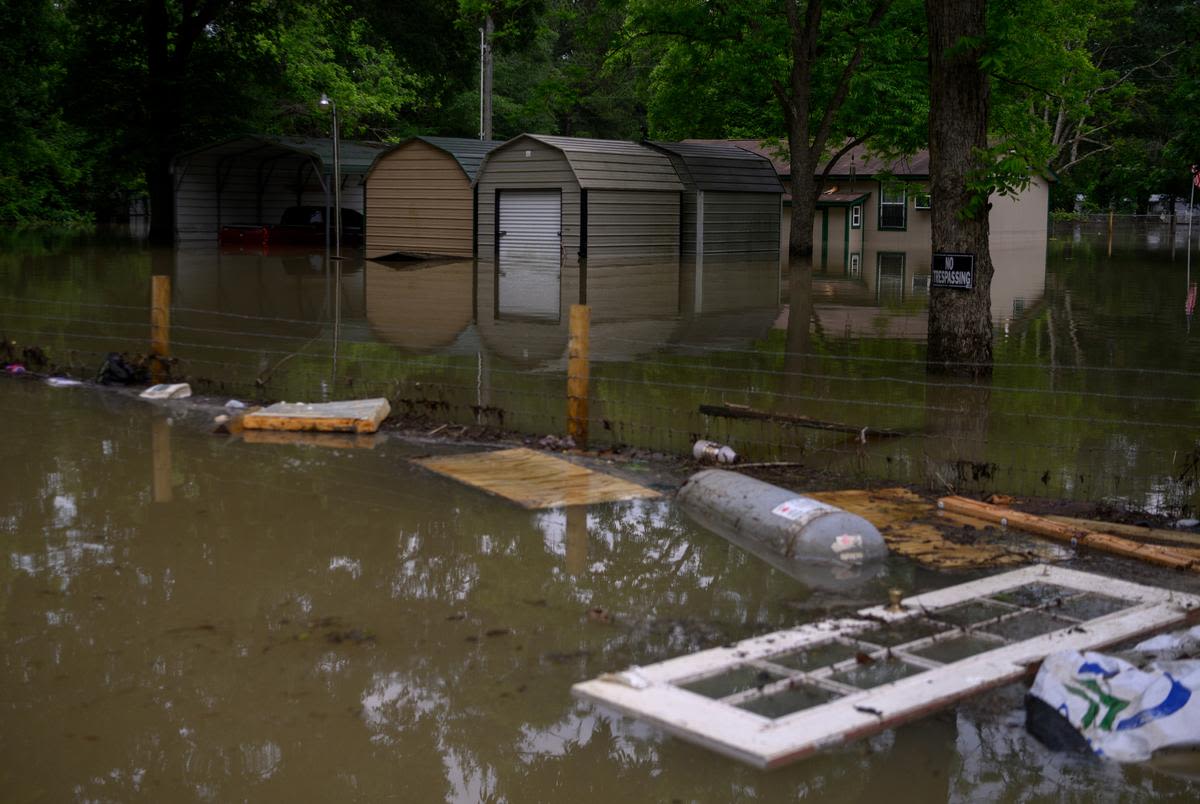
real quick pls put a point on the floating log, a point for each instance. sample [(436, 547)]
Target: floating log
[(1132, 531), (354, 416), (729, 411), (1081, 537)]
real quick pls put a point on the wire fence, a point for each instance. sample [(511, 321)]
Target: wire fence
[(1040, 425)]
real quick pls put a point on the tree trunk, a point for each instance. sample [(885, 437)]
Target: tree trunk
[(803, 186), (960, 321)]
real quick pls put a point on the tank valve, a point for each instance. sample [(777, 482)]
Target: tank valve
[(895, 595)]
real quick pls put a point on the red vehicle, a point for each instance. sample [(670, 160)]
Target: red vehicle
[(298, 226)]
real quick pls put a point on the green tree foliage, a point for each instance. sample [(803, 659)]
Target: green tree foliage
[(568, 78), (825, 74), (40, 168)]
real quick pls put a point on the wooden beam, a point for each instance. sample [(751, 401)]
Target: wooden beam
[(731, 411), (1078, 537)]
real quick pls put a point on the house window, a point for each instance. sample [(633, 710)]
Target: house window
[(856, 266), (893, 207), (856, 217), (922, 201), (889, 276)]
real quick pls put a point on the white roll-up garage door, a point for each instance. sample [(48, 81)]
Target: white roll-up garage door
[(529, 279)]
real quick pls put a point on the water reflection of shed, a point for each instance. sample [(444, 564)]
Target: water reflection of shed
[(732, 202), (548, 199), (420, 198), (421, 306), (252, 180)]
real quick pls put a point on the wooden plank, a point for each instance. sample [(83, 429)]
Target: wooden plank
[(533, 479), (355, 416), (654, 693), (1080, 537), (731, 411), (914, 528)]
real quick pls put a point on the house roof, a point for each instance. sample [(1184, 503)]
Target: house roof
[(467, 152), (721, 167), (841, 199), (356, 156), (610, 164), (865, 164)]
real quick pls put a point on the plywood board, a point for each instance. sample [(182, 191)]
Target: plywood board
[(352, 416), (533, 479), (914, 528), (811, 687)]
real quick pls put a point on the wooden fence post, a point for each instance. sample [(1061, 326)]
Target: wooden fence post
[(577, 375), (160, 325)]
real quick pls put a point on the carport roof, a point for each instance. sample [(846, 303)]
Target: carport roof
[(356, 157)]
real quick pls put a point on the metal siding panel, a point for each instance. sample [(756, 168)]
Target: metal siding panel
[(420, 204), (633, 224), (741, 223)]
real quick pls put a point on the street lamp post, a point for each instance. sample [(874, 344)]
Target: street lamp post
[(326, 101)]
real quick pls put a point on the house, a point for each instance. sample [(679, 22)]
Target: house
[(421, 198), (886, 203), (251, 180)]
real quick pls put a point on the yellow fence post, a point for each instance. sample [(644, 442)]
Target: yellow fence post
[(160, 325), (577, 375)]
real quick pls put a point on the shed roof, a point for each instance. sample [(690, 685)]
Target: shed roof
[(865, 163), (611, 164), (356, 156), (722, 166), (467, 152)]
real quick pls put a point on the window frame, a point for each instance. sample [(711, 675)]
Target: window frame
[(893, 187)]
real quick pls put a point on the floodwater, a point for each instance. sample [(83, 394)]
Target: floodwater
[(185, 616)]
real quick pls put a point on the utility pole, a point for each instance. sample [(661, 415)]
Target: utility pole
[(485, 78)]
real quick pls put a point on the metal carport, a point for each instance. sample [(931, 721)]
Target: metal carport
[(253, 179)]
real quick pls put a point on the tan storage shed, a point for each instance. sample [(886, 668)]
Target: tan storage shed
[(420, 200), (549, 200)]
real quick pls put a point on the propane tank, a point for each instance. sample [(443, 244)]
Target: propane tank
[(790, 525)]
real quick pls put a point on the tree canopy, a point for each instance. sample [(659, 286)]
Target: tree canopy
[(98, 95)]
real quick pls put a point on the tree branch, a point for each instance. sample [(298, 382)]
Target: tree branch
[(845, 149)]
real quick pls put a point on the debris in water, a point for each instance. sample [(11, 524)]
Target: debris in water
[(784, 726), (234, 404), (1119, 711), (712, 452), (598, 614), (534, 480), (62, 382), (354, 416), (495, 632), (116, 370), (179, 390)]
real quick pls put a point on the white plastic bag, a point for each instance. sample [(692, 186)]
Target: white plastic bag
[(1124, 713)]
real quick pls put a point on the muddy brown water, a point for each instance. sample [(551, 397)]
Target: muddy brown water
[(185, 616)]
